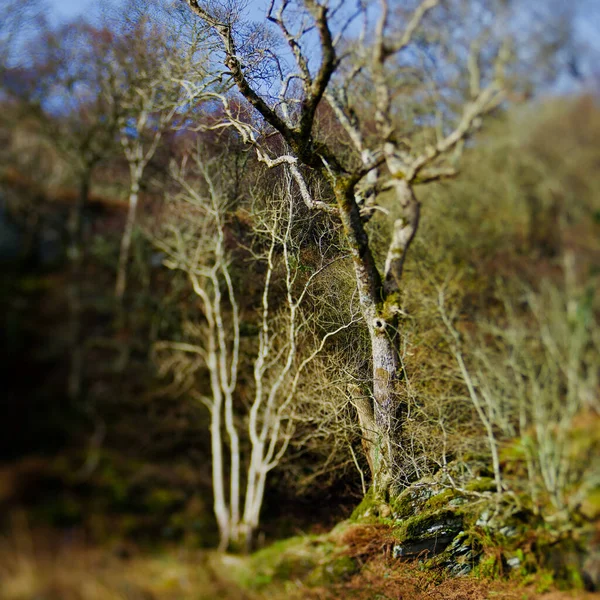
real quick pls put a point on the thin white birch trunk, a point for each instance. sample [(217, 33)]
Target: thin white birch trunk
[(137, 172)]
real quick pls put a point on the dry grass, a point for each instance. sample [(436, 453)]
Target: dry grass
[(368, 541), (49, 566), (52, 566), (381, 579)]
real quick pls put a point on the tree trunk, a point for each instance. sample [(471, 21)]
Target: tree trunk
[(253, 499), (385, 401), (218, 476), (220, 507), (366, 420), (381, 419), (125, 250), (379, 301)]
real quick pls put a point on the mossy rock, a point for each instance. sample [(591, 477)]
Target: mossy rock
[(459, 558), (427, 534), (335, 571), (441, 500), (293, 567), (431, 524), (293, 558), (411, 502)]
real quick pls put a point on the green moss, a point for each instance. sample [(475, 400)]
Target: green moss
[(574, 579), (514, 450), (339, 569), (293, 567), (489, 567), (277, 549), (403, 506), (544, 582), (481, 484), (293, 558), (389, 309), (590, 507), (440, 500), (410, 502), (340, 529), (367, 506)]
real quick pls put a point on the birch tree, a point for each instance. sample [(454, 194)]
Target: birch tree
[(337, 54), (265, 423), (157, 83)]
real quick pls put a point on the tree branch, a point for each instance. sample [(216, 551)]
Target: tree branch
[(232, 62)]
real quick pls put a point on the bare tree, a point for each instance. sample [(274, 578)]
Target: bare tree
[(157, 84), (360, 50), (529, 382), (267, 421)]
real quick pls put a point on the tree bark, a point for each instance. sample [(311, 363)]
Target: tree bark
[(379, 301), (366, 420), (385, 400), (384, 349), (218, 467), (125, 249)]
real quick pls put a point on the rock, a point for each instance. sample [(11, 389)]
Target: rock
[(508, 531), (484, 519), (427, 546), (460, 557), (441, 523), (428, 534), (411, 502), (514, 562), (457, 501), (460, 570)]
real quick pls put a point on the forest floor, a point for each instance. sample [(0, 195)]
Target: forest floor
[(48, 566)]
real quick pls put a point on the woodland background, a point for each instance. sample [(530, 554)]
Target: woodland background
[(154, 263)]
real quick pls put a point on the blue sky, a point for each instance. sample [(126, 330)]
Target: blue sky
[(70, 8), (587, 23), (65, 9)]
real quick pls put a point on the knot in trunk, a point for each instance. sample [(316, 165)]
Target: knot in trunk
[(379, 325)]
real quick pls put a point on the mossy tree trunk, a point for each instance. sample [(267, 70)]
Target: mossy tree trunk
[(357, 182), (379, 300)]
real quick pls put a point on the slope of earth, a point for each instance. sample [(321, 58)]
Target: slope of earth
[(46, 565)]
